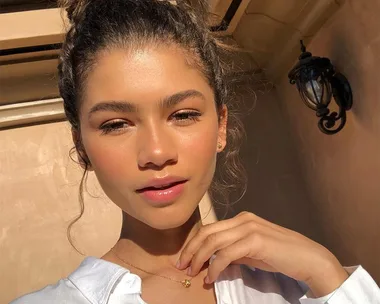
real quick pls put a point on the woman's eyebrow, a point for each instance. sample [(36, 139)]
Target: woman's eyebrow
[(171, 101), (120, 106), (123, 106)]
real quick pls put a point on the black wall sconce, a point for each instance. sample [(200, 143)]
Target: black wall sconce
[(317, 82)]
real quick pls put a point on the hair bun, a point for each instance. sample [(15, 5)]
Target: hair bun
[(74, 8)]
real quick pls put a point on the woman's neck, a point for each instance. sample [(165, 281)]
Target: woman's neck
[(152, 249)]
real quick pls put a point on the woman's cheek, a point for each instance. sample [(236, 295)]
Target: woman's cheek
[(201, 145), (110, 159)]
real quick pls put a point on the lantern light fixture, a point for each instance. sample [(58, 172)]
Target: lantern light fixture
[(318, 82)]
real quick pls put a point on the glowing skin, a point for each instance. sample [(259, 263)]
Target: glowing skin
[(154, 137)]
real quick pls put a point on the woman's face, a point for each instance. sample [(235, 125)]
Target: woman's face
[(150, 129)]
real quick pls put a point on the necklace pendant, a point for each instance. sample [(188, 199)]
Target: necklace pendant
[(186, 283)]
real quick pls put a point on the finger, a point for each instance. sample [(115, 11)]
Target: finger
[(217, 241), (193, 245), (252, 246), (248, 216)]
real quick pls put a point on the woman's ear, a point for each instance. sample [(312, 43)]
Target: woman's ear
[(222, 131), (82, 155)]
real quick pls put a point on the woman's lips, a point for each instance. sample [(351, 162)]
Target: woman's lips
[(163, 194)]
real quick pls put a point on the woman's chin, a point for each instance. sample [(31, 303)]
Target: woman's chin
[(166, 224), (168, 220)]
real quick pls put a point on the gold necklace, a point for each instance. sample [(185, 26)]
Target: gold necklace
[(185, 283)]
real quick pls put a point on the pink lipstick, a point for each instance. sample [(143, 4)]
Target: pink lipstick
[(163, 190)]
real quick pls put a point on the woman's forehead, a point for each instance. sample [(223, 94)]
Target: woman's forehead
[(143, 74)]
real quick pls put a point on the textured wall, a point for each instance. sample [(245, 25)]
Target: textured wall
[(343, 171), (39, 186), (271, 30)]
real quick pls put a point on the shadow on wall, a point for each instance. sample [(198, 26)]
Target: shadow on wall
[(354, 50), (342, 171), (276, 190)]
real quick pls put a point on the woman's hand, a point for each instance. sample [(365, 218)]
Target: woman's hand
[(251, 240)]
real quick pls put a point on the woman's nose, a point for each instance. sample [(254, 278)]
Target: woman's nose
[(156, 148)]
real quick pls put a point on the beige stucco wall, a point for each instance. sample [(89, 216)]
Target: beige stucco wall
[(343, 171), (38, 186), (271, 30)]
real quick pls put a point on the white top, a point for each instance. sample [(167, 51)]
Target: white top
[(97, 281)]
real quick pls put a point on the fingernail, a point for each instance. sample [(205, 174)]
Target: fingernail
[(178, 265), (207, 280), (189, 271)]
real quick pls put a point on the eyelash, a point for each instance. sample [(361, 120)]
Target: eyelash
[(117, 125), (190, 116), (113, 127)]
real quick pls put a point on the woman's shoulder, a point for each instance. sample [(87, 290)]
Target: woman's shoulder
[(62, 292), (91, 282)]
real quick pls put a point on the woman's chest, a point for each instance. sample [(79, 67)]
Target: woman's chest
[(172, 293)]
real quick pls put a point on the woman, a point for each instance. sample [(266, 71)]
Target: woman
[(145, 93)]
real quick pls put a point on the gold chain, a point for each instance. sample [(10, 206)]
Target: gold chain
[(185, 283)]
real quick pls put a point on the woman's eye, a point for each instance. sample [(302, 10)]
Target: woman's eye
[(114, 126), (185, 117)]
